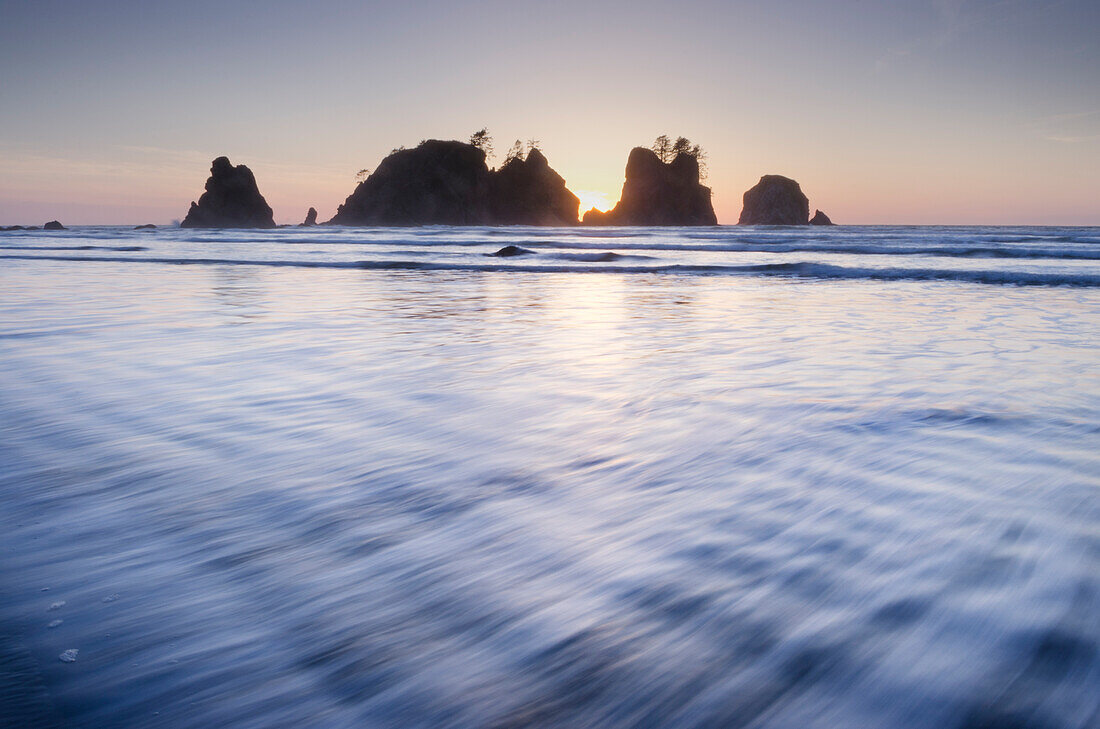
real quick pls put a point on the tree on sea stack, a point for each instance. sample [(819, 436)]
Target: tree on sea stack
[(662, 147), (514, 152), (667, 151), (683, 145), (483, 141)]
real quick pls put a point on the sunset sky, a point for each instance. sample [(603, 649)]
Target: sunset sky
[(937, 111)]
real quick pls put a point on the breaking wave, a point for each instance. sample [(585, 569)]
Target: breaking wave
[(811, 270)]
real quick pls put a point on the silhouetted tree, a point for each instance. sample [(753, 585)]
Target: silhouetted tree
[(700, 157), (516, 151), (532, 144), (683, 145), (362, 175), (662, 147), (667, 150), (483, 141)]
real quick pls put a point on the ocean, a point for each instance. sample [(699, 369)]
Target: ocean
[(636, 477)]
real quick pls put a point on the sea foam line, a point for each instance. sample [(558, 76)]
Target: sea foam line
[(790, 270), (936, 250)]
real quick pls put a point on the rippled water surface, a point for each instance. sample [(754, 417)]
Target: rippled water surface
[(718, 477)]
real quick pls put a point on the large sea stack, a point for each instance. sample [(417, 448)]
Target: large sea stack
[(436, 183), (659, 193), (448, 183), (775, 200), (528, 192), (231, 200)]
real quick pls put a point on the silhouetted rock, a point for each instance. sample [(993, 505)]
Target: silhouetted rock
[(528, 192), (659, 193), (311, 218), (12, 227), (595, 216), (231, 200), (53, 225), (820, 218), (775, 200), (447, 183), (509, 251), (436, 183), (147, 226)]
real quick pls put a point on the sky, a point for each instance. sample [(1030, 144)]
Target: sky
[(897, 111)]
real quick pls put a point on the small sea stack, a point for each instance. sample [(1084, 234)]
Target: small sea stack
[(54, 225), (311, 218), (820, 218), (232, 200), (775, 200), (147, 226)]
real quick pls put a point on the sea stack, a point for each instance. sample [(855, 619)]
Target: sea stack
[(659, 193), (447, 183), (435, 183), (820, 218), (311, 217), (231, 200), (528, 192), (775, 200), (54, 225)]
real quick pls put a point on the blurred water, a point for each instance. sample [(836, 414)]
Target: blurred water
[(759, 478)]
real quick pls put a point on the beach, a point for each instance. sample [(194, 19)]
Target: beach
[(841, 477)]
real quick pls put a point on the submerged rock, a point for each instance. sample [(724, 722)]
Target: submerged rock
[(509, 251), (311, 217), (147, 226), (775, 200), (820, 218), (54, 225), (659, 193), (231, 200), (528, 192), (601, 257)]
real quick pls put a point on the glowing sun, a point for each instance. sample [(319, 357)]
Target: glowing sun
[(594, 199)]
